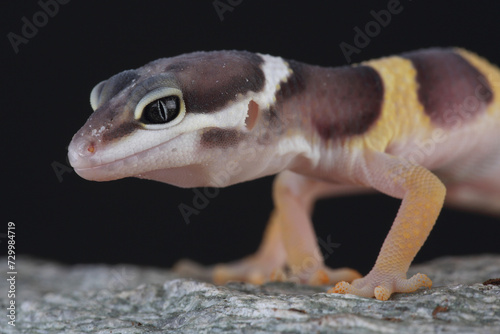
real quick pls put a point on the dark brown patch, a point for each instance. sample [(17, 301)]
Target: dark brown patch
[(492, 281), (210, 80), (336, 102), (120, 131), (295, 84), (222, 138), (356, 102), (288, 97), (439, 309), (449, 86)]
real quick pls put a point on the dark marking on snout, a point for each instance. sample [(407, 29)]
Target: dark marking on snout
[(450, 88), (211, 80), (222, 138), (111, 121), (120, 131)]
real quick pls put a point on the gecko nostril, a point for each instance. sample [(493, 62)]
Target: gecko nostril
[(84, 148), (81, 151)]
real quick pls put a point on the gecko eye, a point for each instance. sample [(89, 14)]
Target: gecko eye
[(160, 108), (161, 111)]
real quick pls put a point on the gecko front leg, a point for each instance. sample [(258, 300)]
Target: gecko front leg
[(289, 250), (423, 196)]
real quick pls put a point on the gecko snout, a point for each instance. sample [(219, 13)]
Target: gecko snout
[(80, 151)]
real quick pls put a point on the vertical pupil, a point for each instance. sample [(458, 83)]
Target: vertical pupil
[(162, 109)]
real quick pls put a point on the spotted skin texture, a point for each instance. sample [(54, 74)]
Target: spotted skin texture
[(421, 127), (422, 201), (221, 138)]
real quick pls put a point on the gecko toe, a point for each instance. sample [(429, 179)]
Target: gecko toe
[(331, 276), (382, 293), (346, 288), (414, 283), (382, 286)]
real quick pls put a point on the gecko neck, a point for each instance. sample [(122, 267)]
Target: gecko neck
[(332, 103), (319, 109)]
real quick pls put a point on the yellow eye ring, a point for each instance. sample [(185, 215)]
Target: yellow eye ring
[(162, 96)]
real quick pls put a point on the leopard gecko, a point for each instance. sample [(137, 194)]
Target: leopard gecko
[(422, 127)]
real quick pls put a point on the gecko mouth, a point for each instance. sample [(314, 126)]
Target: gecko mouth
[(83, 157), (123, 167)]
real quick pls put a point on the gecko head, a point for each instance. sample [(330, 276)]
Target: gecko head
[(173, 120)]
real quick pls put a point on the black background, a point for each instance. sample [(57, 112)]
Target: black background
[(45, 100)]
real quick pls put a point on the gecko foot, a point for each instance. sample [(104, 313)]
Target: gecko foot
[(191, 269), (249, 271), (256, 270), (321, 276), (252, 269), (381, 286), (327, 275)]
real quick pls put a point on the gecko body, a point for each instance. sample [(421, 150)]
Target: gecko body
[(421, 126)]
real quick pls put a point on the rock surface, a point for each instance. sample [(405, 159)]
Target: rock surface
[(53, 298)]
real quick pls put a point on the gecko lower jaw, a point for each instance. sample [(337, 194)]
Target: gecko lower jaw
[(128, 166)]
